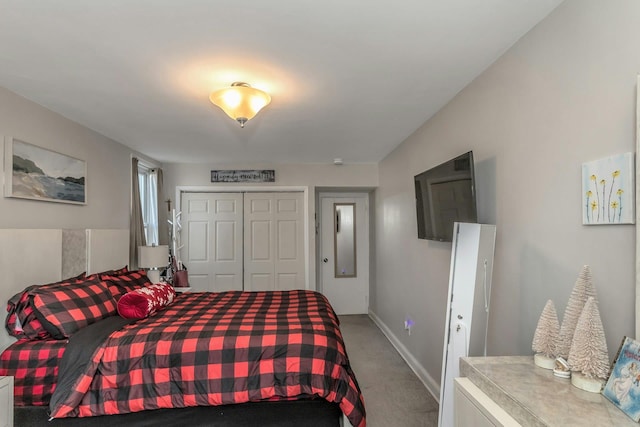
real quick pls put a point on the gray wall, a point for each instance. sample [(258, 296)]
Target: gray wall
[(108, 169), (314, 176), (563, 95), (302, 174)]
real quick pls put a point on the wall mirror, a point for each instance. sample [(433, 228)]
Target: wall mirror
[(344, 232), (638, 210)]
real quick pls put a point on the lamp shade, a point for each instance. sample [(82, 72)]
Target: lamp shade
[(153, 256), (241, 102)]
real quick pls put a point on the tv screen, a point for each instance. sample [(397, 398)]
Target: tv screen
[(445, 194)]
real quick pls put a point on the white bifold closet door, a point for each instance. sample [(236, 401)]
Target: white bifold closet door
[(212, 240), (273, 241), (243, 241)]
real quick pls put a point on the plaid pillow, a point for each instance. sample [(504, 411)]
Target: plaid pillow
[(117, 272), (21, 321), (146, 301), (65, 308), (125, 282)]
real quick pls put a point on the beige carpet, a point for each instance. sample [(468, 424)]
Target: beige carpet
[(393, 394)]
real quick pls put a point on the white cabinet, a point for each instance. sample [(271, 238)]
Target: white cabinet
[(6, 401), (473, 408), (508, 388)]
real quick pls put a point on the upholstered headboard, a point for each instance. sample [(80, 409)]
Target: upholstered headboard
[(38, 256)]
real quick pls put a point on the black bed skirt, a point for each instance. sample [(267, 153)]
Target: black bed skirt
[(308, 413)]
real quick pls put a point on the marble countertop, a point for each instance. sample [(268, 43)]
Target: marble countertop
[(535, 397)]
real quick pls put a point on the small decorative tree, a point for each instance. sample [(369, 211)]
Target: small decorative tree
[(582, 290), (589, 357), (545, 339)]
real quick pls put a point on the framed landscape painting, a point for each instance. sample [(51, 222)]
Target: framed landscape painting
[(35, 173)]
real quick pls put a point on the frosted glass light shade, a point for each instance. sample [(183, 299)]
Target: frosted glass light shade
[(241, 102)]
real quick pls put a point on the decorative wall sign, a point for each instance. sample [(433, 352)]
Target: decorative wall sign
[(265, 175), (33, 172), (608, 191)]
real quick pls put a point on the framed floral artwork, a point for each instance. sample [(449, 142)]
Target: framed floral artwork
[(36, 173), (608, 190)]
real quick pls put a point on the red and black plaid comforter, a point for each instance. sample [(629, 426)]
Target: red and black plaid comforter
[(220, 348), (34, 366)]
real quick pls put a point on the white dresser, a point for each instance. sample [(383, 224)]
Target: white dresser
[(6, 401), (512, 391), (474, 408)]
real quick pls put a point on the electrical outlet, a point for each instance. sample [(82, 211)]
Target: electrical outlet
[(408, 323)]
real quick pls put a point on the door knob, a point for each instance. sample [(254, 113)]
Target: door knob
[(326, 260)]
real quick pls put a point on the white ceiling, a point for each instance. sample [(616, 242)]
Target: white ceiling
[(349, 79)]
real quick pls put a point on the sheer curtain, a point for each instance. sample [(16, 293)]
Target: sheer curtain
[(136, 225), (150, 217)]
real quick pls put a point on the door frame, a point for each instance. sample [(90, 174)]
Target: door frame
[(336, 194), (253, 189)]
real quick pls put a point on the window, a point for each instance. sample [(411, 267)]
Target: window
[(148, 182)]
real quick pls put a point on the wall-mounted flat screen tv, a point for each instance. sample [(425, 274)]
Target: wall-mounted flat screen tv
[(445, 194)]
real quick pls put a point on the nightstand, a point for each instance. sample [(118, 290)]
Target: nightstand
[(6, 401)]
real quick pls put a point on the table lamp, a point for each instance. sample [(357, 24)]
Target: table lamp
[(153, 258)]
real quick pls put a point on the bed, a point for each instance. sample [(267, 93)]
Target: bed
[(223, 359)]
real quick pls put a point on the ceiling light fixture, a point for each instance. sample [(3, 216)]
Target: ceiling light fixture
[(241, 102)]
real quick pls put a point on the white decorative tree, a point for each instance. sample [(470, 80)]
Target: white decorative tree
[(582, 290), (545, 339), (589, 357)]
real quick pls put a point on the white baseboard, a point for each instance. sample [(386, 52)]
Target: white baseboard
[(430, 384)]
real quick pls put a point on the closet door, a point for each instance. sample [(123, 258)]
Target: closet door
[(274, 241), (212, 239)]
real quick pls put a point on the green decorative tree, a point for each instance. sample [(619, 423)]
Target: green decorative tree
[(582, 290), (545, 339), (589, 355)]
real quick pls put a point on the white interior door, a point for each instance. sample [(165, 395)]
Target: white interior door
[(344, 271), (274, 241), (212, 239), (244, 241)]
